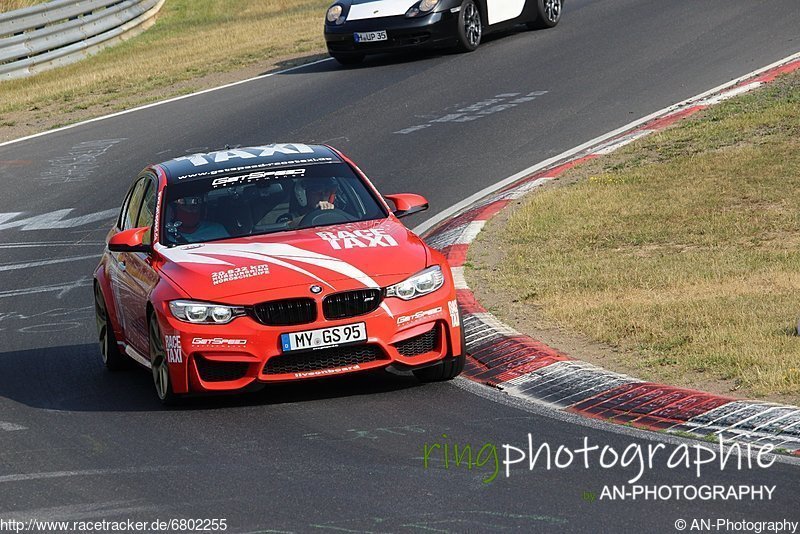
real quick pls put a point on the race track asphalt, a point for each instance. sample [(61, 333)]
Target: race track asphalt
[(77, 443)]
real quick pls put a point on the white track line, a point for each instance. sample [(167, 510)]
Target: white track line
[(169, 100), (452, 210), (85, 472), (16, 266)]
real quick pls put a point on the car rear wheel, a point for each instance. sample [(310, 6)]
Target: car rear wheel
[(109, 350), (449, 368), (549, 13), (470, 27), (348, 59), (160, 367)]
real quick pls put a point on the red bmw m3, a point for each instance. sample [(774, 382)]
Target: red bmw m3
[(273, 263)]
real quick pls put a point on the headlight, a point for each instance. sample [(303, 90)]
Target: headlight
[(422, 283), (335, 14), (427, 5), (423, 8), (203, 312)]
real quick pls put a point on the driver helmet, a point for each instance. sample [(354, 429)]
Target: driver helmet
[(307, 188), (189, 211)]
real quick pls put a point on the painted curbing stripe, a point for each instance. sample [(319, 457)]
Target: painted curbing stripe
[(647, 398), (770, 74), (446, 238), (564, 383), (470, 233), (716, 418), (468, 303), (608, 148), (519, 192), (791, 429), (784, 65), (730, 94), (482, 327), (668, 120), (458, 277), (456, 254), (772, 426), (747, 418), (509, 358), (488, 320), (529, 369), (768, 415), (492, 209)]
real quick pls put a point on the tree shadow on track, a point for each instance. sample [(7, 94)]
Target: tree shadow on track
[(72, 378)]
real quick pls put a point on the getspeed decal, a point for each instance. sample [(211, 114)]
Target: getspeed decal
[(453, 308), (172, 344), (255, 177), (403, 319), (239, 273), (358, 239), (218, 342)]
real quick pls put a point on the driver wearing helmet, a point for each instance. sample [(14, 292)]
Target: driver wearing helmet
[(312, 194), (189, 224)]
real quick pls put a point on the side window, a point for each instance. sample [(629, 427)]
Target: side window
[(147, 212), (124, 209), (134, 202)]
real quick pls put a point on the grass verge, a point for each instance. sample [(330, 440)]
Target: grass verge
[(678, 253), (193, 44), (11, 5)]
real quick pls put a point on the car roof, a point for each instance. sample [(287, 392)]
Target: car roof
[(243, 159)]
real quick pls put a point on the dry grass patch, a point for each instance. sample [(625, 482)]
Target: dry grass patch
[(11, 5), (681, 250), (191, 40)]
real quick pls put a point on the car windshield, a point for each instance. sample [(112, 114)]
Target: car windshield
[(264, 202)]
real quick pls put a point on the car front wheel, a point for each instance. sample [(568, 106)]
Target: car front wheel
[(470, 27), (160, 366), (449, 368)]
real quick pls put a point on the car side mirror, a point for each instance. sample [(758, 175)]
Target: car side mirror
[(129, 241), (406, 204)]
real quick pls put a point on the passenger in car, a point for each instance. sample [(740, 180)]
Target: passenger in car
[(190, 223)]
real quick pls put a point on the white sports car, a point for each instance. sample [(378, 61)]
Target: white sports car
[(355, 28)]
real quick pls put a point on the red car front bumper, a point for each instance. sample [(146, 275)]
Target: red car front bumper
[(404, 334)]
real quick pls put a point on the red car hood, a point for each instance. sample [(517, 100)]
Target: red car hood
[(368, 254)]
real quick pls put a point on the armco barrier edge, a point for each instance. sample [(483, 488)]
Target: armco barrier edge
[(60, 32)]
